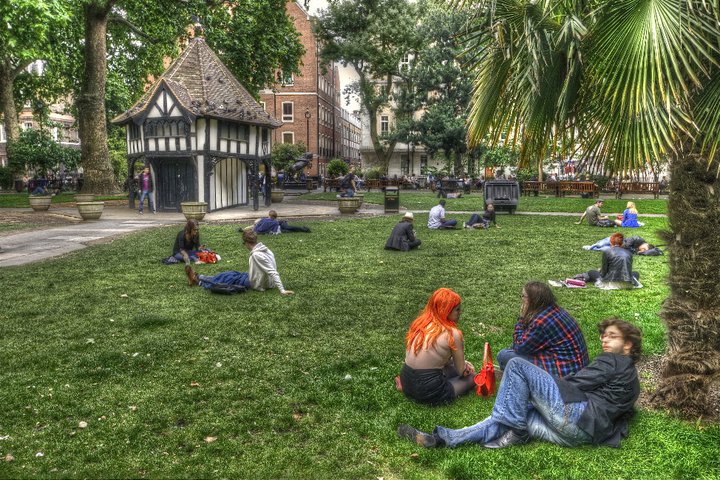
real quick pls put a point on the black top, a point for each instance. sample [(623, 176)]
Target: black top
[(610, 385), (402, 234), (633, 243), (617, 265), (182, 244), (489, 216)]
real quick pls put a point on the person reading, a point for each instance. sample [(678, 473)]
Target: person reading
[(403, 236)]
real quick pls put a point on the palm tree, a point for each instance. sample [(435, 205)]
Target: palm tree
[(629, 82)]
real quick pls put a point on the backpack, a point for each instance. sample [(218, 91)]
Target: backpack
[(227, 288)]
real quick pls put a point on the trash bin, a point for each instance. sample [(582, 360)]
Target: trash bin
[(504, 194), (392, 199)]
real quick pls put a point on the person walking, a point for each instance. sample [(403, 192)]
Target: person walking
[(145, 183)]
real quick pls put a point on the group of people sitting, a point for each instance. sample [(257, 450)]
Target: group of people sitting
[(629, 218), (549, 390)]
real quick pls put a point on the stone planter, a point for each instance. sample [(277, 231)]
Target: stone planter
[(360, 198), (276, 196), (194, 210), (84, 197), (348, 204), (90, 210), (40, 203)]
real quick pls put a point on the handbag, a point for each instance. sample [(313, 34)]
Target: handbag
[(485, 380)]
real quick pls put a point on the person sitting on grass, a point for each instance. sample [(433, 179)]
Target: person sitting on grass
[(546, 335), (629, 217), (273, 226), (187, 243), (595, 217), (476, 221), (635, 244), (591, 406), (403, 236), (262, 274), (435, 370), (616, 270), (437, 220)]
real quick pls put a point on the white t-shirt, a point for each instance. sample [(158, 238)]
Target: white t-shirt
[(437, 213)]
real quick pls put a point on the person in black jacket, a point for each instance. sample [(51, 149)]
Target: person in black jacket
[(591, 406), (616, 269), (403, 236)]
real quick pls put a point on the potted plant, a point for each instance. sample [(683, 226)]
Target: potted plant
[(348, 204), (277, 195), (90, 210), (194, 210)]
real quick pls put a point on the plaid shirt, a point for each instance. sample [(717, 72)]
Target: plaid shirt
[(553, 341)]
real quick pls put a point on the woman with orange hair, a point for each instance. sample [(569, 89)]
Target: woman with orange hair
[(435, 370)]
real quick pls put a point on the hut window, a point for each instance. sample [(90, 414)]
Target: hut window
[(287, 111), (134, 131), (234, 131), (164, 129)]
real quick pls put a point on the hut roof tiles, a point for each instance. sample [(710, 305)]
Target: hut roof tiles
[(204, 87)]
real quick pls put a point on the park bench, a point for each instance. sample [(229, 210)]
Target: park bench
[(535, 188), (589, 189), (331, 183), (297, 185), (638, 187)]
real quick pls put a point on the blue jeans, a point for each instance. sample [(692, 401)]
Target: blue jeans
[(148, 194), (504, 356), (601, 245), (448, 224), (529, 400), (231, 277)]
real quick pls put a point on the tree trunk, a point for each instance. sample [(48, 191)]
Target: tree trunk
[(92, 122), (7, 102), (692, 311)]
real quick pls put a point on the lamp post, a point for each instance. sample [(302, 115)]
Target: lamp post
[(307, 127)]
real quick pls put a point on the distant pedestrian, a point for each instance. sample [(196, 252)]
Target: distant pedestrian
[(145, 183)]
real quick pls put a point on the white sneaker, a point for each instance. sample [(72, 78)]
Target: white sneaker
[(465, 225), (141, 212), (587, 247)]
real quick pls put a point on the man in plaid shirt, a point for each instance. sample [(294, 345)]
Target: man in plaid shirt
[(546, 334)]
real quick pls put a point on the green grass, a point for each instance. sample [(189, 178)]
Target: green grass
[(474, 202), (20, 200), (111, 337)]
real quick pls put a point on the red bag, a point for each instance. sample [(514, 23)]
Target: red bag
[(485, 380)]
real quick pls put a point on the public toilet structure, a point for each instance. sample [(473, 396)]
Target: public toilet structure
[(202, 134)]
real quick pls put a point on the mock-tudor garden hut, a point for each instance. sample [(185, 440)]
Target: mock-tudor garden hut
[(202, 134)]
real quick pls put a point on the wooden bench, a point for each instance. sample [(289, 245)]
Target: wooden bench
[(535, 188), (296, 185), (582, 188), (331, 183), (638, 187)]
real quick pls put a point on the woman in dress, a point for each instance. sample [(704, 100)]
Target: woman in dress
[(435, 370), (629, 217)]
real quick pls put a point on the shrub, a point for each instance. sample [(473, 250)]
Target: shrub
[(337, 168)]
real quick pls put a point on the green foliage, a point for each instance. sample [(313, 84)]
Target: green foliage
[(373, 174), (337, 168), (36, 150), (6, 177), (175, 382), (285, 154), (498, 157)]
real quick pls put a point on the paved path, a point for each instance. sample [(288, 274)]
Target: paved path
[(44, 243)]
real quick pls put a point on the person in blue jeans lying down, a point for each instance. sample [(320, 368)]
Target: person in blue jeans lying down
[(591, 406)]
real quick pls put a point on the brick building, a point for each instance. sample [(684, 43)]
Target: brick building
[(309, 105)]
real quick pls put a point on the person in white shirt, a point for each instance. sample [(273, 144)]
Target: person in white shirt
[(262, 274), (437, 219)]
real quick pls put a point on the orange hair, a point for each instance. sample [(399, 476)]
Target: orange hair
[(433, 321), (616, 239)]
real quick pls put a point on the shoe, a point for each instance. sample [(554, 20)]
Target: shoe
[(141, 212), (465, 225), (587, 247), (191, 276), (154, 212), (509, 438), (423, 439)]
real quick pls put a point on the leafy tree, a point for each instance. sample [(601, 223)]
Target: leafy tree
[(24, 38), (337, 168), (358, 33), (36, 150), (628, 81), (285, 154)]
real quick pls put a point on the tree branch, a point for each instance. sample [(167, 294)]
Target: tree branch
[(118, 19)]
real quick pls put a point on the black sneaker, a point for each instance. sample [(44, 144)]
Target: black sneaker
[(423, 439)]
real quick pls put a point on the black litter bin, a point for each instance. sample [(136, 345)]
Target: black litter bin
[(504, 194), (392, 199)]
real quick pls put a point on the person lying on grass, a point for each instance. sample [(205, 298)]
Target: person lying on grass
[(476, 221), (616, 271), (435, 370), (262, 274), (591, 406), (546, 335), (273, 226), (636, 244)]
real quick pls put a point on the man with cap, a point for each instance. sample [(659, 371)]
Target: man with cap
[(403, 236), (595, 217)]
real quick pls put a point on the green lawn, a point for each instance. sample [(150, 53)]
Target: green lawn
[(175, 382), (20, 200), (425, 200)]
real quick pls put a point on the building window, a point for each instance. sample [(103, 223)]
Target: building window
[(27, 126), (405, 62), (423, 163), (234, 131), (134, 131), (288, 137), (55, 133), (287, 111), (286, 79), (2, 133), (163, 130), (384, 124), (404, 164), (263, 105)]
